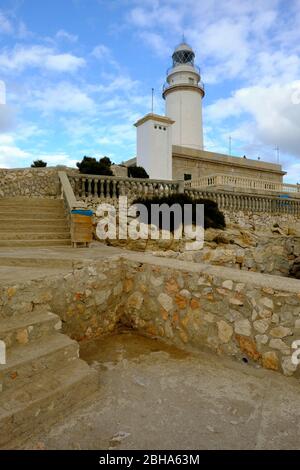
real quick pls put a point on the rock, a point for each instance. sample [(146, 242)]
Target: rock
[(261, 339), (185, 293), (248, 346), (288, 367), (236, 301), (280, 345), (261, 325), (128, 285), (194, 304), (243, 327), (135, 300), (268, 303), (278, 230), (227, 285), (156, 281), (172, 286), (295, 268), (225, 331), (270, 360), (165, 301), (180, 301), (22, 336), (233, 316), (281, 332)]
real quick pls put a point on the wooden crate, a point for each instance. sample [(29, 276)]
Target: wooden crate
[(81, 228)]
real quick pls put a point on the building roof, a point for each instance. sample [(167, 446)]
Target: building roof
[(183, 46), (154, 117)]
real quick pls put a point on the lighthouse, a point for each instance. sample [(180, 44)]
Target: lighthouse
[(183, 94), (182, 124)]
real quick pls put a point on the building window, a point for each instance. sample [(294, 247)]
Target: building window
[(165, 128), (187, 176), (155, 127), (160, 127)]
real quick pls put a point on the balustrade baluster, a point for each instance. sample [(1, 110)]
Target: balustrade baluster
[(114, 194), (83, 187)]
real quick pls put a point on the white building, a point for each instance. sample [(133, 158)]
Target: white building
[(154, 145), (171, 146), (182, 125), (183, 93)]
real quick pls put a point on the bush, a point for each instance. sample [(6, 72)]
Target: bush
[(213, 217), (38, 164), (90, 166), (137, 172)]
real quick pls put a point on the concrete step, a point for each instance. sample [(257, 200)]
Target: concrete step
[(32, 262), (49, 397), (23, 329), (31, 214), (31, 202), (10, 224), (39, 235), (26, 361), (32, 243)]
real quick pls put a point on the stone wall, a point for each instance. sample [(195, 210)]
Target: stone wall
[(87, 299), (201, 162), (251, 317), (29, 182), (262, 221)]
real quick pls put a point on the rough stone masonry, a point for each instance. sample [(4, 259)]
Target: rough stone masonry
[(246, 315)]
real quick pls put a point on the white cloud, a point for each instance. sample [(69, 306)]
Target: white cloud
[(157, 43), (6, 26), (21, 57), (64, 62), (10, 153), (64, 97), (7, 118), (275, 118), (12, 156), (62, 34), (101, 52)]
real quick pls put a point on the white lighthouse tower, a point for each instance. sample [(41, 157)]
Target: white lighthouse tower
[(183, 93)]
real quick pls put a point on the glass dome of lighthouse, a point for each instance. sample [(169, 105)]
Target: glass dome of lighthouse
[(183, 55)]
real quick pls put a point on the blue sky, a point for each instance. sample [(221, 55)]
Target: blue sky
[(79, 73)]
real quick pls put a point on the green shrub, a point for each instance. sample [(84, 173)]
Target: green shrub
[(213, 217), (90, 166), (137, 172), (38, 164)]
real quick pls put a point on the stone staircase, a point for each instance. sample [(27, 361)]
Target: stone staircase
[(43, 377), (33, 222)]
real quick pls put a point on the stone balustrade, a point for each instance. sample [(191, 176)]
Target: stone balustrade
[(242, 182), (274, 198), (109, 188), (101, 188), (233, 201)]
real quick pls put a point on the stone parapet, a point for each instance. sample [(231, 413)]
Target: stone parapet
[(249, 316), (29, 182)]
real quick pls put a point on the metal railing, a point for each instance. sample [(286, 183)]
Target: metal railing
[(200, 85), (173, 67)]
